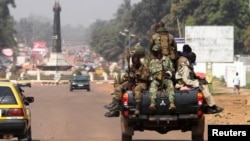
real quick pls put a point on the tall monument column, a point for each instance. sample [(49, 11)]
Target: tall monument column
[(57, 29), (56, 61)]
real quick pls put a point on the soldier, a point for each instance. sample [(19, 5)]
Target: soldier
[(142, 78), (165, 40), (185, 76), (138, 77), (161, 69)]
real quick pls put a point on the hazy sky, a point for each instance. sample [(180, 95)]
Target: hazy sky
[(74, 12)]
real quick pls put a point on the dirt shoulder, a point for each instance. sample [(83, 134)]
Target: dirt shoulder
[(236, 106)]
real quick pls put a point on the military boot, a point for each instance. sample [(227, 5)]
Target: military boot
[(116, 106), (171, 106), (112, 114), (152, 106), (110, 105), (138, 107)]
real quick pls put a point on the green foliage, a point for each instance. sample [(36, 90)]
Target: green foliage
[(34, 28), (104, 36), (140, 18), (14, 70), (222, 79), (6, 25), (77, 72)]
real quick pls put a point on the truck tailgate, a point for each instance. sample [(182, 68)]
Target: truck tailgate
[(186, 102)]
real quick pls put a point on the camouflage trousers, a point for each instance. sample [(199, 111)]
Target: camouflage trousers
[(169, 90), (138, 90), (118, 90), (208, 96)]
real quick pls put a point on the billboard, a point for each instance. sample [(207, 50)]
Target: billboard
[(180, 42), (211, 43), (39, 46)]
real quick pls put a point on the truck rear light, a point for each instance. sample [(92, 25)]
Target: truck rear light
[(125, 113), (199, 112), (200, 98), (125, 99), (200, 102), (125, 103), (15, 112)]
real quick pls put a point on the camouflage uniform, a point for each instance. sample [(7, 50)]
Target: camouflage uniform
[(166, 42), (157, 69), (185, 77), (137, 77), (142, 76), (141, 72), (172, 45)]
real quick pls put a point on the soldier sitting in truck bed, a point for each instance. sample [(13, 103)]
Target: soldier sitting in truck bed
[(138, 76), (185, 76)]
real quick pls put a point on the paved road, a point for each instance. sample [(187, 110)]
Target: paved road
[(61, 115)]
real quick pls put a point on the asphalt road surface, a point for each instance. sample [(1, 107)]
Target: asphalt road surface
[(61, 115)]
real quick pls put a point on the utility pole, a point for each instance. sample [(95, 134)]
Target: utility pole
[(128, 35), (179, 29)]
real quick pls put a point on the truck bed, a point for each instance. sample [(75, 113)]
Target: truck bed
[(186, 102)]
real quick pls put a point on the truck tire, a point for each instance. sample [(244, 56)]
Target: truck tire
[(126, 138), (198, 130), (127, 131)]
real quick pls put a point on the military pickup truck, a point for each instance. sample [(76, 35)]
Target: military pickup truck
[(188, 115)]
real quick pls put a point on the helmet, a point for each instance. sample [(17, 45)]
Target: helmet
[(159, 24), (139, 50)]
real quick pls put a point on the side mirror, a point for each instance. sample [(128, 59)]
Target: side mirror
[(28, 100)]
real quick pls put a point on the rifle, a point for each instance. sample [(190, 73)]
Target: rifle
[(129, 69), (164, 74)]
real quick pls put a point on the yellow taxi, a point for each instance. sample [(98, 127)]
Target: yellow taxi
[(15, 115), (24, 81)]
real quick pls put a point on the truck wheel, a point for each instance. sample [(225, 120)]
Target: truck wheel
[(198, 130), (126, 138), (127, 131)]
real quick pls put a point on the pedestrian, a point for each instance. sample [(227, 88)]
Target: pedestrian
[(236, 82)]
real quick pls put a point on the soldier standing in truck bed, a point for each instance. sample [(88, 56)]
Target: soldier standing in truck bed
[(166, 41)]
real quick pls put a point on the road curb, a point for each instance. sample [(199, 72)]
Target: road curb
[(56, 83)]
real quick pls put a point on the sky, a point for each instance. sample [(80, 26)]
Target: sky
[(74, 12)]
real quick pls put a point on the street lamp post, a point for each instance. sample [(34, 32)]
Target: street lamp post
[(128, 35)]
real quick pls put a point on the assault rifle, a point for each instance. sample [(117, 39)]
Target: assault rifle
[(129, 71)]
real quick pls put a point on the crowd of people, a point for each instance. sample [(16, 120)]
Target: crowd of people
[(165, 69)]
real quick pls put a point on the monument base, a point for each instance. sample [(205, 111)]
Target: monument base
[(56, 63)]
